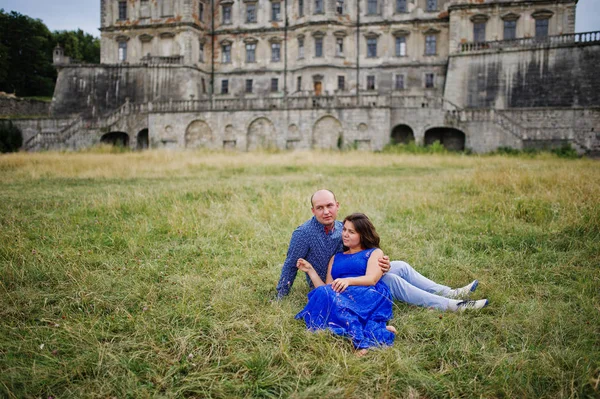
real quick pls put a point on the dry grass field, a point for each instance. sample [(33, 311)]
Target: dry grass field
[(134, 275)]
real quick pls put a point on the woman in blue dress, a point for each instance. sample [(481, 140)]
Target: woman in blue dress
[(352, 302)]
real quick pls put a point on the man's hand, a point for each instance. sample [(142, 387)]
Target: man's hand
[(306, 267), (340, 284), (384, 263)]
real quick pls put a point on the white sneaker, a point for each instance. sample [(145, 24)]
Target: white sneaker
[(464, 305), (463, 292)]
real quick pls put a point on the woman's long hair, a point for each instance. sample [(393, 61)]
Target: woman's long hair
[(363, 226)]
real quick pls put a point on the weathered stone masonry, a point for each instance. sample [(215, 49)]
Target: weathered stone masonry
[(302, 74)]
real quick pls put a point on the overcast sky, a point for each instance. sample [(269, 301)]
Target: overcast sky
[(85, 14)]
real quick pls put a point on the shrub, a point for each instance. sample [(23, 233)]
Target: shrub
[(11, 138)]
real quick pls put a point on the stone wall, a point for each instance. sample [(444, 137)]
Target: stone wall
[(97, 90), (32, 127), (561, 76), (10, 106)]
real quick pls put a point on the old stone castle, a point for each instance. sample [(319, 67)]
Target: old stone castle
[(328, 74)]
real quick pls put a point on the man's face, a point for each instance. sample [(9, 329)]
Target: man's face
[(325, 207)]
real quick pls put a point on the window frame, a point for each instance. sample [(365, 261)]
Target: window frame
[(226, 17), (431, 5), (226, 53), (339, 7), (275, 17), (401, 6), (251, 5), (339, 46), (274, 85), (429, 80), (371, 82), (512, 29), (341, 83), (318, 47), (371, 47), (372, 7), (122, 10), (224, 86), (250, 53), (300, 8), (430, 44), (400, 51), (299, 83), (122, 51), (275, 50), (399, 77), (249, 89), (319, 7)]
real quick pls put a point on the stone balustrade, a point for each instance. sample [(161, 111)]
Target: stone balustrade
[(530, 42), (156, 60)]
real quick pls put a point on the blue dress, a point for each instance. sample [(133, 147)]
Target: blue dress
[(360, 312)]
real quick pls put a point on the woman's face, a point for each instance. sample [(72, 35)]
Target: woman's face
[(350, 237)]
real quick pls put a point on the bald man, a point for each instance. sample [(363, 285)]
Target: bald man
[(320, 237)]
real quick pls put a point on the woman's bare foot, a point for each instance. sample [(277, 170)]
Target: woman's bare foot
[(391, 329), (361, 352)]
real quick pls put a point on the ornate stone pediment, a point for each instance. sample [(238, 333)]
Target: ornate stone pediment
[(400, 33), (318, 34), (479, 18), (372, 35), (511, 16), (167, 35), (340, 33), (432, 31), (542, 14), (145, 38), (122, 38)]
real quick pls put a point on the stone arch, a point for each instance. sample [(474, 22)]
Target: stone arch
[(117, 139), (198, 134), (261, 134), (402, 134), (327, 134), (142, 139), (452, 139)]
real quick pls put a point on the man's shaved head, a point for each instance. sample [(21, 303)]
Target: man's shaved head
[(312, 204)]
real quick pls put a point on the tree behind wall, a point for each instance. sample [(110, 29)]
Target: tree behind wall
[(26, 47)]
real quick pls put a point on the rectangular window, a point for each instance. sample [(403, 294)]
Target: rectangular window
[(226, 53), (399, 82), (167, 8), (224, 86), (122, 51), (318, 6), (432, 5), (251, 52), (201, 11), (401, 6), (339, 47), (144, 9), (274, 84), (479, 32), (275, 52), (371, 48), (430, 45), (429, 80), (275, 11), (510, 30), (541, 28), (341, 83), (251, 12), (299, 83), (339, 7), (248, 85), (201, 52), (401, 46), (371, 7), (370, 82), (300, 8), (122, 10), (300, 48), (203, 86), (226, 14), (319, 47)]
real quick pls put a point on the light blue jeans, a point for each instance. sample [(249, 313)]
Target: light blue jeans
[(407, 285)]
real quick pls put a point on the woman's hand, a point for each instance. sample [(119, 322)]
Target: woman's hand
[(340, 284), (384, 263), (303, 265)]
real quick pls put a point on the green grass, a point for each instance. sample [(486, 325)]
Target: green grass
[(150, 275)]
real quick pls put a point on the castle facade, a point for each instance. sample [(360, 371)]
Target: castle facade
[(327, 74)]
